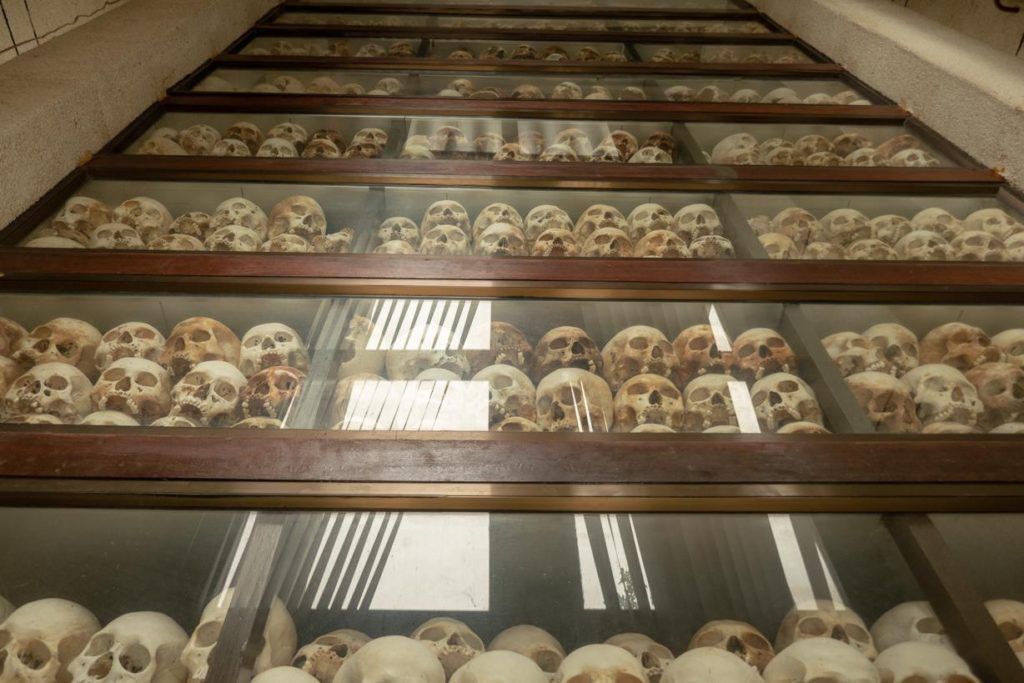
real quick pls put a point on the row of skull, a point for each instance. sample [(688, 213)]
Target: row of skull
[(782, 95), (727, 55), (845, 149), (362, 49), (284, 140), (532, 24), (202, 372), (55, 640), (932, 234), (295, 224), (318, 85)]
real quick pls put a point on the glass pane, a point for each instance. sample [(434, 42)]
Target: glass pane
[(532, 86), (723, 54), (998, 576), (514, 50), (873, 227), (930, 369), (333, 47), (413, 364), (645, 4), (632, 597)]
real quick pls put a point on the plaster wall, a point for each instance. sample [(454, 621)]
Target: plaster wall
[(27, 24), (966, 90)]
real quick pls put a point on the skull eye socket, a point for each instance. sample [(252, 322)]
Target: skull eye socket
[(746, 350), (112, 335), (282, 337), (34, 654), (710, 638), (435, 633), (775, 342), (207, 634), (1010, 630), (57, 383), (135, 658), (812, 626), (759, 397), (199, 336), (225, 390), (559, 344), (856, 632), (501, 382), (755, 641), (638, 343), (698, 344), (700, 395), (113, 375), (146, 379), (787, 386), (637, 389), (144, 333), (100, 644)]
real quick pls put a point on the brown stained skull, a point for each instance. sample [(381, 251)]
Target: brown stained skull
[(399, 228), (574, 400), (136, 387), (192, 224), (978, 245), (638, 350), (129, 340), (290, 132), (297, 215), (246, 132), (960, 346), (709, 402), (737, 637), (899, 346), (886, 401), (239, 211), (797, 224), (661, 244), (758, 352), (648, 399), (451, 641), (445, 212), (56, 389), (848, 143), (79, 217), (324, 656), (147, 216), (1001, 390), (565, 347), (698, 353), (195, 340), (271, 393), (511, 151), (845, 226), (508, 346), (556, 242), (781, 398), (321, 149), (607, 243), (61, 340), (622, 140)]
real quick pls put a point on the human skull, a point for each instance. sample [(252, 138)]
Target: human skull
[(271, 393), (297, 215), (161, 146), (923, 245), (887, 401), (646, 399), (738, 637), (622, 140), (136, 387), (607, 153), (899, 346), (798, 225), (508, 346), (679, 93), (996, 222), (324, 656), (821, 659), (558, 153), (115, 236), (290, 132), (823, 251), (233, 238), (978, 245), (845, 226), (497, 212), (447, 139), (698, 353), (533, 642), (61, 340), (823, 159), (711, 93), (147, 216), (848, 143), (517, 424), (570, 399), (195, 340), (445, 240), (198, 139), (321, 148), (781, 398), (279, 638), (246, 132), (546, 217), (890, 228), (445, 212), (653, 656), (54, 242), (56, 389), (271, 344), (735, 142), (241, 212), (192, 224), (916, 158), (866, 156), (1001, 390), (608, 243), (567, 90), (209, 394), (1015, 247), (758, 352), (500, 667), (939, 221), (399, 228), (854, 353), (943, 394), (79, 217), (556, 242), (139, 647), (661, 244), (451, 641), (566, 347), (109, 418), (280, 674), (277, 148), (708, 402), (11, 333), (174, 421), (392, 658), (960, 346), (695, 221), (511, 151), (907, 622), (406, 365), (501, 239), (637, 350), (651, 155), (709, 664), (826, 620), (287, 244), (1010, 342), (600, 664), (1009, 617), (599, 216), (647, 218), (778, 246), (512, 394), (911, 662), (40, 640)]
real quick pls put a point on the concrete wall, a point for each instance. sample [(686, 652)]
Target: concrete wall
[(64, 100), (981, 19), (967, 91), (30, 23)]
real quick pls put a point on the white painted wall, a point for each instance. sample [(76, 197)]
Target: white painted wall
[(981, 19), (25, 24)]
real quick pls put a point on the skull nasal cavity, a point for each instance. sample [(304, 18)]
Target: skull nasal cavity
[(101, 667), (735, 646), (839, 634)]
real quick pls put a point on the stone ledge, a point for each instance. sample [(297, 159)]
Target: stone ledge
[(962, 88), (64, 100)]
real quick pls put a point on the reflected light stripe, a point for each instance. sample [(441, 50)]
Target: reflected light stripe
[(444, 332), (406, 326), (479, 335), (619, 566), (456, 340), (640, 561), (593, 597), (374, 342), (332, 559), (331, 520), (348, 556), (422, 322), (793, 567), (718, 330), (364, 555), (391, 519), (833, 588), (243, 542), (389, 408), (406, 405), (743, 406), (433, 406)]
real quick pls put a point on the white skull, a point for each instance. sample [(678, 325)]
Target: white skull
[(1009, 617), (707, 664), (890, 228), (445, 240), (198, 139), (599, 216), (452, 642), (281, 674), (115, 236), (392, 658), (899, 345), (324, 656), (733, 143), (978, 245), (865, 157), (501, 239), (996, 222), (845, 226), (782, 398), (271, 344), (825, 621), (149, 217), (240, 211), (600, 664), (399, 228), (854, 353), (56, 389), (816, 660), (778, 246), (512, 394), (887, 401), (139, 647), (277, 148), (647, 399), (943, 394), (737, 637), (870, 250), (546, 217), (637, 350), (109, 418), (161, 146), (607, 153), (54, 242), (570, 399), (709, 402), (606, 243), (939, 221), (653, 656), (289, 132), (533, 642), (41, 638), (797, 224), (695, 221), (209, 394), (500, 667), (136, 387), (287, 244), (279, 638), (406, 365), (923, 245), (1011, 343), (129, 340), (567, 90), (647, 218), (79, 217), (1001, 390), (909, 622), (917, 158), (493, 214), (760, 351), (233, 238), (651, 155), (914, 662), (445, 212)]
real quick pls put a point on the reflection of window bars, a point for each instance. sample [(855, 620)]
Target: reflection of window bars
[(423, 325), (797, 567), (417, 405), (612, 569)]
